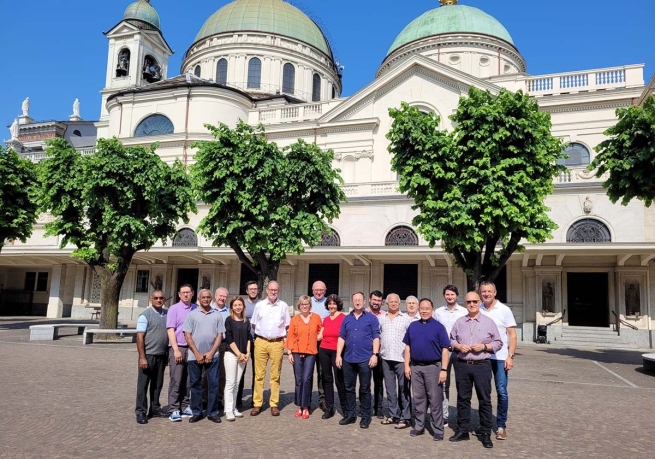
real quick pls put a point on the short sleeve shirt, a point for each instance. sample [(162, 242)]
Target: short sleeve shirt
[(504, 319), (204, 328)]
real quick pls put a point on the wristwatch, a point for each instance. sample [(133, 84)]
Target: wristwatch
[(377, 354), (511, 356)]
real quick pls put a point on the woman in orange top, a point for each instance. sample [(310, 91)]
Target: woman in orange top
[(305, 331)]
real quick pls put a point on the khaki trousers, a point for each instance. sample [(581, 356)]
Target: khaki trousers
[(264, 351)]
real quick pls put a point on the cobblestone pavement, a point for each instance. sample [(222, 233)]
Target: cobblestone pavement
[(61, 399)]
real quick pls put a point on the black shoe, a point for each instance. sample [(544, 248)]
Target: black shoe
[(346, 421), (141, 419), (486, 441), (364, 423), (460, 436), (195, 418), (322, 406), (157, 414), (216, 419), (379, 414), (416, 433), (328, 414), (477, 433)]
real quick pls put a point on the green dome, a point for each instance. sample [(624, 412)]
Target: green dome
[(274, 16), (451, 19), (142, 11)]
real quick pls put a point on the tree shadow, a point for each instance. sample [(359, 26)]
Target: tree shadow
[(26, 323), (620, 356)]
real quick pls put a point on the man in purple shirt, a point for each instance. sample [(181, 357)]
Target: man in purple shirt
[(178, 389), (475, 337)]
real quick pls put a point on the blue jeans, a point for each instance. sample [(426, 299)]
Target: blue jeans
[(303, 370), (500, 379), (195, 375), (350, 373)]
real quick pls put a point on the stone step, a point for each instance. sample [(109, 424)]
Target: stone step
[(595, 344), (588, 331), (581, 339)]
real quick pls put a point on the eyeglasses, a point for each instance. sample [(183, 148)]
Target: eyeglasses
[(318, 290), (158, 298), (472, 302), (254, 289)]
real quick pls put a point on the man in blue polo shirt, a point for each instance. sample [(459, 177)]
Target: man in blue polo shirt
[(360, 336), (427, 351)]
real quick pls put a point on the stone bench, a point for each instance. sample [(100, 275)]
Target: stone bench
[(50, 332), (90, 332), (649, 362)]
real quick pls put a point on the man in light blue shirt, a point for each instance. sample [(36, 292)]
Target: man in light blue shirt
[(318, 306)]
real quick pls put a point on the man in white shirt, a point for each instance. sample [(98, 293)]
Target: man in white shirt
[(270, 321), (503, 360), (447, 315)]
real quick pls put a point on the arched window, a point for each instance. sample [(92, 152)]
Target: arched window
[(185, 238), (254, 73), (401, 235), (154, 125), (330, 238), (196, 71), (152, 71), (288, 78), (578, 155), (221, 71), (77, 133), (316, 87), (588, 231), (334, 92), (123, 66)]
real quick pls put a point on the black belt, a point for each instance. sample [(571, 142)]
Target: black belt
[(473, 362), (274, 340), (424, 364)]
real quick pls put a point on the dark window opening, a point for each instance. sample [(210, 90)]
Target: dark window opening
[(401, 279), (328, 273)]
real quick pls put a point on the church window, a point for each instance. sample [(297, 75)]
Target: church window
[(77, 133), (329, 238), (154, 125), (578, 155), (185, 238), (197, 71), (316, 88), (588, 231), (142, 280), (254, 73), (221, 71), (401, 235), (288, 78)]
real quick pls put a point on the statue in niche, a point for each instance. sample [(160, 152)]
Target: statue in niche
[(25, 107), (206, 284), (158, 283), (587, 206), (123, 68), (632, 300), (547, 297)]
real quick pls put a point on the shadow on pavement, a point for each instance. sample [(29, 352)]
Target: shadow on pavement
[(621, 356)]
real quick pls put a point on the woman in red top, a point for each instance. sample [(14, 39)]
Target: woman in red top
[(305, 330), (328, 353)]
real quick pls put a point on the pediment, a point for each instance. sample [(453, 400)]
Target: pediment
[(440, 74), (124, 28)]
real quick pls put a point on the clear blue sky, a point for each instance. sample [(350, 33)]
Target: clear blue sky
[(54, 51)]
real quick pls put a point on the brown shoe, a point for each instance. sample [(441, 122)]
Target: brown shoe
[(275, 411), (255, 411), (501, 434)]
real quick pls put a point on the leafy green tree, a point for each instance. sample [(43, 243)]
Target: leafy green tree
[(110, 205), (17, 201), (479, 188), (629, 155), (265, 202)]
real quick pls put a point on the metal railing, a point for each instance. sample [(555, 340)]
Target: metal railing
[(560, 318), (620, 321)]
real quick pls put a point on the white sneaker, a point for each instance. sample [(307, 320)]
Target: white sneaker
[(237, 414), (229, 417)]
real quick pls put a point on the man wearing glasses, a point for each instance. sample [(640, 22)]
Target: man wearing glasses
[(178, 389), (252, 289), (152, 346), (318, 306), (270, 320), (475, 337)]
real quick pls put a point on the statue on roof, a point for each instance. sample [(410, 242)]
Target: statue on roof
[(13, 130), (76, 108), (26, 107)]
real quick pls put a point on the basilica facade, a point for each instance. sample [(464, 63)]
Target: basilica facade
[(266, 62)]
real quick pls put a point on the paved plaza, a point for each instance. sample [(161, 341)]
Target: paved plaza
[(61, 399)]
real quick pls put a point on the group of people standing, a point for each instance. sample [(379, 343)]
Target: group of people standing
[(410, 354)]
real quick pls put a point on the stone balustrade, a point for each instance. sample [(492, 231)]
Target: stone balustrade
[(287, 114), (591, 80)]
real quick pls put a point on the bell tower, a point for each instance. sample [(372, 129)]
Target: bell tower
[(138, 53)]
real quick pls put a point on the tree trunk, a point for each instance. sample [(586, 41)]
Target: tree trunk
[(111, 284), (267, 272)]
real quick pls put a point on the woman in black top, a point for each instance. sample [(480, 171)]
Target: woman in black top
[(237, 337)]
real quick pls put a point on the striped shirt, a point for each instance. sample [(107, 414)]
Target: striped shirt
[(392, 333)]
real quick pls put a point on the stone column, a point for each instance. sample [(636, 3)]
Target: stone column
[(80, 283), (55, 302)]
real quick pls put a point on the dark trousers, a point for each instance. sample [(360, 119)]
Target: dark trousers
[(350, 373), (397, 390), (319, 380), (303, 370), (466, 378), (332, 375), (446, 385), (150, 382), (427, 392), (178, 388), (378, 387), (243, 376), (221, 377), (196, 372)]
